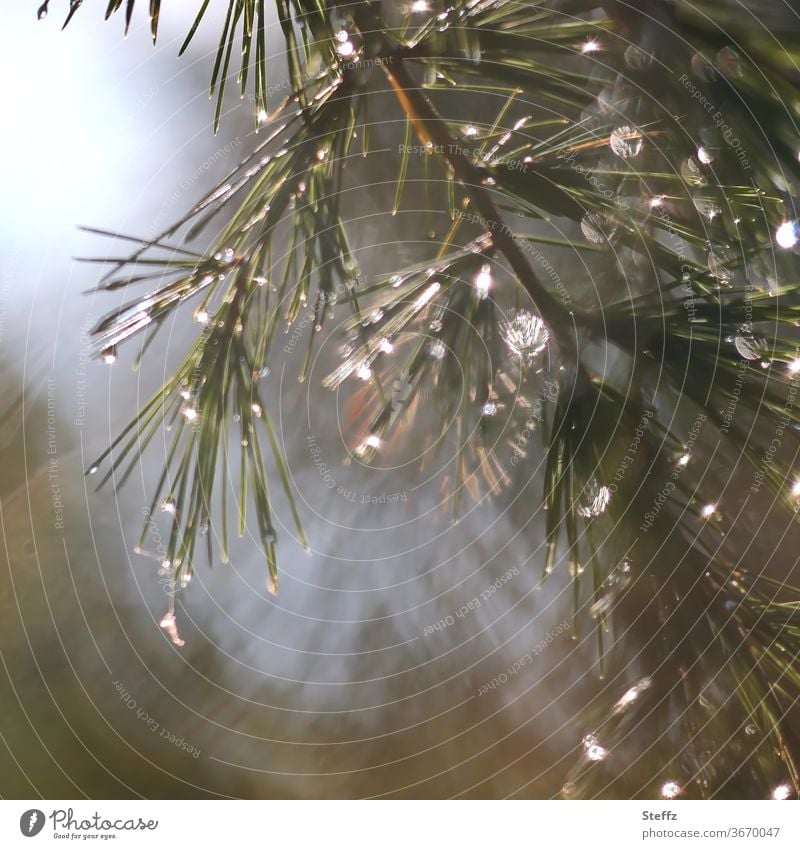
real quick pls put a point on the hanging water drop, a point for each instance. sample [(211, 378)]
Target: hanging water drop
[(596, 500), (592, 228), (636, 58), (670, 789), (437, 350), (626, 141), (483, 282), (526, 336), (787, 235), (109, 355), (748, 346)]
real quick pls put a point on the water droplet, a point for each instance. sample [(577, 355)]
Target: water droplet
[(670, 789), (202, 317), (636, 58), (781, 792), (92, 470), (109, 355), (787, 235), (718, 259), (626, 141), (168, 505), (489, 408), (189, 413), (483, 282), (707, 206), (594, 751), (596, 500), (630, 696), (704, 156), (41, 13), (729, 63), (702, 68), (526, 336), (437, 350), (270, 537), (751, 730), (257, 411), (691, 173), (709, 511), (592, 227), (748, 346), (344, 47), (169, 624)]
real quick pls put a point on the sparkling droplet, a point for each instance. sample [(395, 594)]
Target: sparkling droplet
[(435, 326), (489, 408), (670, 789), (590, 46), (526, 336), (748, 346), (709, 511), (437, 350), (190, 413), (751, 730), (704, 155), (470, 131), (630, 696), (707, 206), (718, 260), (691, 172), (594, 751), (592, 227), (257, 411), (781, 792), (344, 47), (272, 585), (596, 500), (420, 6), (373, 441), (483, 282), (109, 355), (168, 505), (364, 372), (41, 13), (626, 141), (202, 317), (92, 470), (787, 235), (270, 537)]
